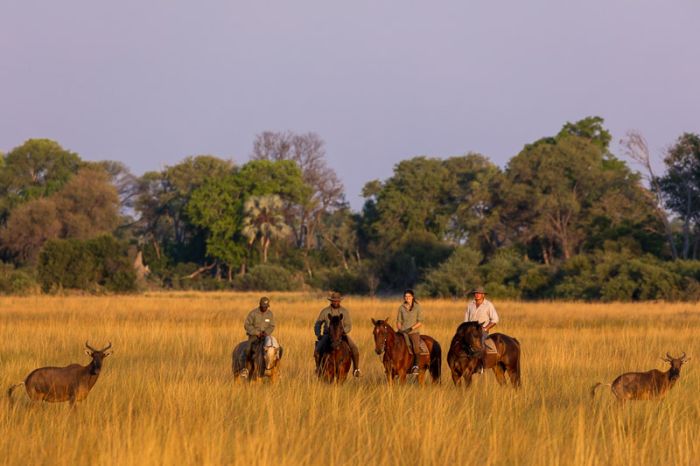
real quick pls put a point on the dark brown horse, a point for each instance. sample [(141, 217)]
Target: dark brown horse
[(335, 362), (468, 353), (397, 358)]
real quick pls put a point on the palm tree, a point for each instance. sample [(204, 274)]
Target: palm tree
[(263, 220)]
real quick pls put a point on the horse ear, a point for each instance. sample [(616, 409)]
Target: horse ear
[(329, 316), (341, 316), (374, 322)]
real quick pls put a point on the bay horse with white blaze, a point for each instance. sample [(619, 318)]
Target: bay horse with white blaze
[(397, 358), (335, 363), (467, 354)]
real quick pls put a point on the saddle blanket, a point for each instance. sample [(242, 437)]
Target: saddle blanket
[(490, 345)]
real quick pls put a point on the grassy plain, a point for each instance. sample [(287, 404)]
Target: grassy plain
[(166, 397)]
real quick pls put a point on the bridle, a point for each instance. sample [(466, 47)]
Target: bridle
[(384, 331)]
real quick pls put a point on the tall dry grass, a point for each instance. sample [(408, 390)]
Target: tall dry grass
[(166, 396)]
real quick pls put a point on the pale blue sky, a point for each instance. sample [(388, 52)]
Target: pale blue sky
[(151, 82)]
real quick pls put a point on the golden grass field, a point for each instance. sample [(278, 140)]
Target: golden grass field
[(166, 396)]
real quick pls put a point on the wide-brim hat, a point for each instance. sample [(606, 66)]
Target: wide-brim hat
[(478, 289), (264, 300), (335, 296)]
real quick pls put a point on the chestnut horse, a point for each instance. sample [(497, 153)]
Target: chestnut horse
[(468, 353), (397, 358), (335, 363)]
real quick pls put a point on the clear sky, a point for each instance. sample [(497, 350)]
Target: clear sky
[(149, 82)]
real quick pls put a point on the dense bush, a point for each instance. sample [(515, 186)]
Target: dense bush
[(454, 277), (265, 277), (94, 265), (352, 281), (17, 281)]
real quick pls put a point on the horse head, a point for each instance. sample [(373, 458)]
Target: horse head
[(271, 357), (471, 336), (335, 329), (381, 333)]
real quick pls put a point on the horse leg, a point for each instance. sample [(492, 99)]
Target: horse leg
[(456, 377), (402, 375), (514, 375), (468, 379), (500, 374)]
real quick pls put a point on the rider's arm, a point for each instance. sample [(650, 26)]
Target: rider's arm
[(419, 318), (347, 322), (249, 324), (493, 318), (399, 320), (318, 325)]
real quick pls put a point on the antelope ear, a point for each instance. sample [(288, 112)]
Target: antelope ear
[(88, 352), (107, 353)]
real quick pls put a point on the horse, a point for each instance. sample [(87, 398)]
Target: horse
[(397, 358), (335, 362), (265, 361), (467, 354)]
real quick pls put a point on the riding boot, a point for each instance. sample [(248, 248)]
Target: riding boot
[(415, 369)]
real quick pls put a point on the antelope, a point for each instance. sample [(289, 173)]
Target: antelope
[(71, 383), (646, 385)]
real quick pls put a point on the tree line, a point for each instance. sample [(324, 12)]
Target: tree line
[(564, 219)]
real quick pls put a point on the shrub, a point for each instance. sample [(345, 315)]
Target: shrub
[(17, 281), (91, 265), (454, 277), (265, 277)]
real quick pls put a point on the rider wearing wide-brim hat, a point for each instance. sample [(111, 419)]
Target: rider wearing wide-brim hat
[(322, 329), (481, 309)]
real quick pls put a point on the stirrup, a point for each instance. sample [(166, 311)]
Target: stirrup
[(356, 373), (243, 373)]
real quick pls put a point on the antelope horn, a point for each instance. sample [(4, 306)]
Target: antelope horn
[(682, 358), (668, 357), (89, 347), (106, 348)]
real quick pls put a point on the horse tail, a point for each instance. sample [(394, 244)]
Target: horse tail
[(12, 388), (596, 386), (436, 362)]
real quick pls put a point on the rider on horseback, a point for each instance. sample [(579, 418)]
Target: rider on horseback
[(258, 324), (409, 320), (482, 310), (322, 327)]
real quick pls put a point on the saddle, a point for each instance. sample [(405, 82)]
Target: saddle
[(422, 348)]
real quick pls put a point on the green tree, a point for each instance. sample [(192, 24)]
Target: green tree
[(681, 188), (85, 207), (161, 202), (37, 168), (565, 190)]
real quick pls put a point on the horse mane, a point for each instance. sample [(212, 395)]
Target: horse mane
[(461, 330)]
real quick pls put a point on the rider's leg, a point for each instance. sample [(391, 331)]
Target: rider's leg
[(248, 355), (355, 355), (415, 343)]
